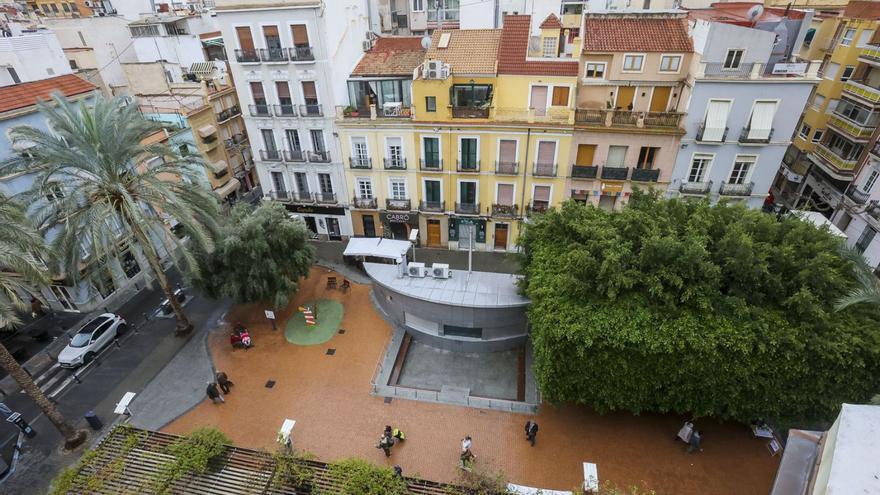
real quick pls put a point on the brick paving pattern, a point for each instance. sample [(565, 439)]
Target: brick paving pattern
[(329, 397)]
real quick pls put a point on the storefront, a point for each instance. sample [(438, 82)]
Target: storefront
[(367, 223), (456, 224), (327, 222), (398, 224)]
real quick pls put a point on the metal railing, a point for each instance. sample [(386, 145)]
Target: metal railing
[(247, 56), (302, 53), (432, 206), (235, 140), (303, 197), (645, 174), (504, 211), (311, 111), (862, 90), (470, 112), (260, 110), (871, 53), (285, 110), (398, 204), (365, 203), (506, 168), (702, 130), (325, 197), (858, 196), (270, 155), (467, 208), (589, 116), (624, 117), (731, 189), (695, 187), (433, 164), (537, 207), (394, 163), (584, 171), (744, 137), (831, 157), (718, 69), (662, 119), (273, 54), (468, 166), (319, 156), (615, 173), (360, 162), (294, 156), (544, 170), (282, 196), (228, 113)]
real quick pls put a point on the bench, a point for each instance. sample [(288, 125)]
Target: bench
[(591, 478), (122, 405)]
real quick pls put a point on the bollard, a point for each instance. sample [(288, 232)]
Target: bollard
[(93, 420)]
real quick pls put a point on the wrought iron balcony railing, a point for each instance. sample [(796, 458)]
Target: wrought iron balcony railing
[(431, 164), (468, 165), (360, 162), (398, 163), (584, 171), (436, 206), (506, 168), (398, 204), (294, 156), (544, 170), (311, 111), (731, 189), (325, 197), (695, 187), (645, 174), (260, 110), (615, 173), (365, 203), (273, 54), (247, 56), (319, 156), (301, 53), (504, 211), (270, 155), (285, 110), (467, 208)]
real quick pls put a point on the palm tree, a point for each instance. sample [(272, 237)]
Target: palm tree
[(108, 186), (868, 288), (22, 272)]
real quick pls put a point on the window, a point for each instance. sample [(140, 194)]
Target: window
[(359, 150), (865, 239), (467, 192), (715, 125), (831, 71), (300, 35), (742, 165), (541, 198), (847, 73), (805, 131), (430, 103), (283, 91), (432, 191), (431, 147), (418, 5), (468, 149), (616, 156), (670, 63), (647, 154), (258, 93), (848, 35), (507, 152), (548, 47), (560, 96), (594, 70), (292, 136), (398, 188), (471, 95), (278, 182), (317, 136), (394, 151), (733, 59), (325, 183), (865, 37), (817, 136), (365, 188), (73, 65), (866, 187), (65, 7), (700, 164), (103, 282), (269, 139), (818, 101), (129, 263), (301, 182), (633, 63), (761, 123), (504, 194), (144, 31), (844, 148)]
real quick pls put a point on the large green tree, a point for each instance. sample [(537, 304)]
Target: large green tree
[(681, 306), (109, 186), (260, 256)]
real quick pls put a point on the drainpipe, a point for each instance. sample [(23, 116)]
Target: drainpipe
[(525, 171)]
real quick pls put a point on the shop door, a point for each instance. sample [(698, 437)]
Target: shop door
[(333, 229), (500, 236), (398, 231), (660, 98), (433, 233), (369, 225), (312, 225)]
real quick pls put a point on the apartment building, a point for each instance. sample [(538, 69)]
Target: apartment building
[(858, 213), (290, 61), (71, 8), (748, 84), (28, 55), (633, 91)]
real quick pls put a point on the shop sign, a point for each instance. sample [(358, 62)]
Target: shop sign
[(314, 209), (407, 217), (611, 188), (455, 224)]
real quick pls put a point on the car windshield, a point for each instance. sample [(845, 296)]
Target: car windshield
[(81, 339)]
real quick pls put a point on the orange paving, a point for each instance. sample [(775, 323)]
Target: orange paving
[(329, 397)]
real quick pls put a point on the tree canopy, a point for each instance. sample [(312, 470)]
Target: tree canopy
[(260, 256), (674, 305)]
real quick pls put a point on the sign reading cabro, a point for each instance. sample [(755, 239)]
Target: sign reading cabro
[(406, 217)]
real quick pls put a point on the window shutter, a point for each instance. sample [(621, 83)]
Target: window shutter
[(546, 150), (309, 90), (762, 120), (300, 35), (505, 194), (508, 151), (542, 193), (716, 120), (245, 39)]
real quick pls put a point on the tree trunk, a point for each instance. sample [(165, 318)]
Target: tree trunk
[(183, 324), (72, 437)]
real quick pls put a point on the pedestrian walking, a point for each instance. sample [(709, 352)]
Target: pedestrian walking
[(466, 459), (531, 431), (696, 442), (385, 444), (224, 382), (466, 443), (214, 394), (398, 471)]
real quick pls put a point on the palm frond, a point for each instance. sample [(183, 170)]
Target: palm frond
[(868, 289)]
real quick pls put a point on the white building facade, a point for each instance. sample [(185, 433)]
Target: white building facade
[(30, 55), (290, 61), (858, 215)]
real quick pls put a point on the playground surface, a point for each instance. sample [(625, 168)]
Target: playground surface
[(328, 394), (327, 319)]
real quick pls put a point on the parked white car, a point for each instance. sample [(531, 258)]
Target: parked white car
[(90, 339)]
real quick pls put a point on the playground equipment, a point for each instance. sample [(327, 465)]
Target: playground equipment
[(310, 313)]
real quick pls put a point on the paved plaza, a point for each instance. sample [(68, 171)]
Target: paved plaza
[(337, 417)]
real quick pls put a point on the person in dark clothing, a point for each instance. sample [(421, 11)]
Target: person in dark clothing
[(531, 431), (224, 382), (385, 444), (696, 443), (398, 471), (214, 394)]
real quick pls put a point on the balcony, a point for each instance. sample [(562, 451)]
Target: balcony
[(477, 112), (695, 187), (294, 156), (468, 166), (504, 211), (467, 208), (327, 198), (748, 137), (590, 117), (285, 110), (858, 196), (319, 156), (311, 111), (303, 197), (356, 112), (435, 206), (506, 168), (856, 131), (537, 207), (235, 141), (584, 171), (801, 69), (544, 170), (301, 54), (260, 110), (665, 120), (701, 134), (398, 163), (434, 164), (870, 54), (398, 204), (273, 54), (247, 56), (270, 155), (831, 158), (645, 174), (717, 70), (224, 115), (360, 162), (862, 91), (730, 189), (615, 173), (282, 196), (624, 118), (364, 203)]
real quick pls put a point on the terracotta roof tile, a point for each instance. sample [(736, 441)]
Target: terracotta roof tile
[(514, 48), (551, 22), (616, 33), (862, 10), (391, 57), (26, 94), (470, 51)]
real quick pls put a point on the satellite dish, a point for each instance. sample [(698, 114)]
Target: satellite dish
[(755, 12), (426, 42)]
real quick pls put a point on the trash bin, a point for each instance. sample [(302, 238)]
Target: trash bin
[(93, 420)]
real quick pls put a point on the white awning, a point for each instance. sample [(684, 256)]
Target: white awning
[(219, 166), (228, 189), (378, 247), (207, 130), (818, 219)]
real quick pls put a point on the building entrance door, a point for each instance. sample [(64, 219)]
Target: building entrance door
[(434, 233), (333, 229), (312, 225), (398, 231), (369, 225), (501, 236)]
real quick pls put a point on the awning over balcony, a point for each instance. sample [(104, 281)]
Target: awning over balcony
[(228, 189), (207, 130), (219, 167)]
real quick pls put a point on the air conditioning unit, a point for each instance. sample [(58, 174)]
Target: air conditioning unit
[(440, 270), (416, 270), (432, 74), (88, 4), (367, 45)]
